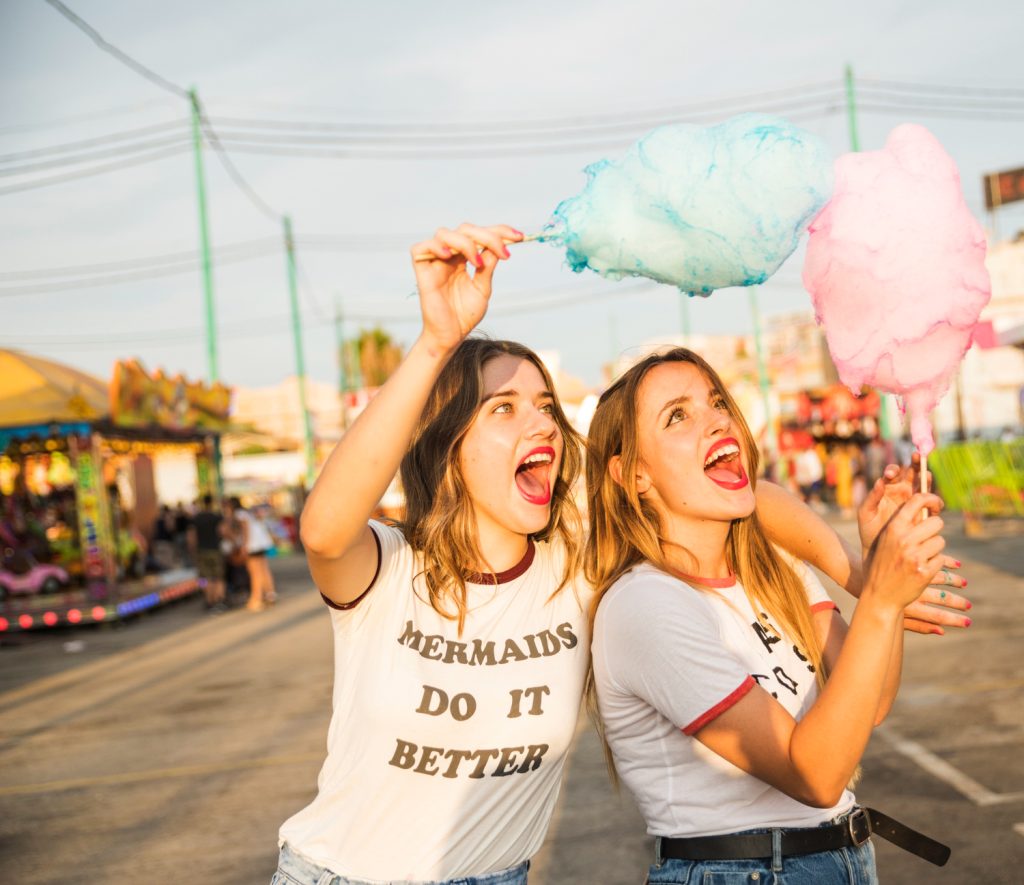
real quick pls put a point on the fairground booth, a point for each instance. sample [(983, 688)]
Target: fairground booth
[(78, 494)]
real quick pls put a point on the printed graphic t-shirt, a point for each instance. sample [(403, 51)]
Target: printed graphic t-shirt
[(445, 752), (668, 659)]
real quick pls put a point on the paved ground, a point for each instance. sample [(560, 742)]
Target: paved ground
[(171, 748)]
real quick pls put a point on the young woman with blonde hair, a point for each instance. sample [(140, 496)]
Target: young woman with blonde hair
[(735, 701), (461, 637)]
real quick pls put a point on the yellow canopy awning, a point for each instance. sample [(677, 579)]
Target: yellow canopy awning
[(34, 390)]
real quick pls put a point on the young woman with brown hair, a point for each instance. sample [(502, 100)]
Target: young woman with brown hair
[(461, 637), (711, 648)]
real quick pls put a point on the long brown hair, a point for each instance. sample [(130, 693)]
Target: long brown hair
[(625, 529), (439, 513)]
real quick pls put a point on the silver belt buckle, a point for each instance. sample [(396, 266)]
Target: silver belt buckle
[(859, 821)]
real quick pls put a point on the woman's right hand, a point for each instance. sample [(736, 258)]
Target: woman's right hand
[(453, 302), (907, 555)]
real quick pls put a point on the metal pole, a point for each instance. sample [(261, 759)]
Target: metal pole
[(762, 375), (851, 110), (204, 240), (300, 362), (884, 427)]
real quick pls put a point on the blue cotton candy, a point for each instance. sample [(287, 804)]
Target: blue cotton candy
[(700, 208)]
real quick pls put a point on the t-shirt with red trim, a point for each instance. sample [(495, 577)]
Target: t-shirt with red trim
[(669, 657), (445, 751)]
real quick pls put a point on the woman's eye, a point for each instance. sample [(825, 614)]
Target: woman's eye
[(502, 408), (675, 415), (547, 409), (721, 405)]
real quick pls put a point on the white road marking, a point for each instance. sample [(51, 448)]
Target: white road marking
[(940, 768)]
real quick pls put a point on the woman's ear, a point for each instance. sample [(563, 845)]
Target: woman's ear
[(643, 482), (615, 469)]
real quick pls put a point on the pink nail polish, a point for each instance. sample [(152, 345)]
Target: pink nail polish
[(958, 563), (967, 623), (518, 233), (507, 253), (964, 583), (970, 605)]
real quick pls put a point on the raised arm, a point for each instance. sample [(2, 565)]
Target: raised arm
[(339, 543), (796, 528), (812, 760)]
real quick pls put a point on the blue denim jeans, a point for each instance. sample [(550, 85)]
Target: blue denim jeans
[(845, 866), (294, 869)]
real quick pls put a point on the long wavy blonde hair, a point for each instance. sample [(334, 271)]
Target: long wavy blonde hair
[(439, 520), (626, 530)]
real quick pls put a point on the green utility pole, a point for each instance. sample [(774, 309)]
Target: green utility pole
[(300, 361), (339, 346), (851, 110), (762, 375), (684, 317), (204, 240), (884, 428)]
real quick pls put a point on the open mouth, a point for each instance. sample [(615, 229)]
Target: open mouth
[(722, 465), (533, 475)]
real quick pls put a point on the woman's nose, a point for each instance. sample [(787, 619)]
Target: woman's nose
[(542, 424), (718, 422)]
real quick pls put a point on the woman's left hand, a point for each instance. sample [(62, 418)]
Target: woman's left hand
[(939, 606)]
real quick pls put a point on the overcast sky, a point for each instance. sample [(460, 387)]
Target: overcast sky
[(447, 68)]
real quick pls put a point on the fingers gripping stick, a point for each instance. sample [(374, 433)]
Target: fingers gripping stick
[(426, 256)]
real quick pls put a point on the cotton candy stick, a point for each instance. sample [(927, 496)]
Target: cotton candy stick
[(541, 235)]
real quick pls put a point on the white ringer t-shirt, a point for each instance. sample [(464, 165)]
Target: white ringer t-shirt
[(445, 752), (668, 659)]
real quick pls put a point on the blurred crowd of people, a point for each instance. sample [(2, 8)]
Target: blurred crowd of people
[(836, 476), (228, 545)]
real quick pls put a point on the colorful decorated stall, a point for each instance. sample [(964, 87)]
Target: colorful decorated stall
[(78, 500)]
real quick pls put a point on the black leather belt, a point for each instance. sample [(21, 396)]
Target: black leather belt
[(850, 833)]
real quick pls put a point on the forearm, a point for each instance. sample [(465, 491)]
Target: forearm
[(827, 744), (363, 464), (893, 675), (798, 529)]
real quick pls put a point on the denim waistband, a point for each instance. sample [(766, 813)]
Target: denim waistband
[(308, 872)]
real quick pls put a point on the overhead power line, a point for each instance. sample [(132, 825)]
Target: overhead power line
[(514, 303), (214, 141), (190, 256), (94, 170), (90, 117), (904, 86), (121, 151), (128, 276), (97, 141), (121, 56), (311, 242), (163, 83)]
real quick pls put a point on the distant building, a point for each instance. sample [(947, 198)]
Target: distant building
[(275, 410)]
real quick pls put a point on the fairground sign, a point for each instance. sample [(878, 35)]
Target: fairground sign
[(138, 399), (1004, 187)]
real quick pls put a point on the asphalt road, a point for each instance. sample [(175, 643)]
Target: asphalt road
[(171, 748)]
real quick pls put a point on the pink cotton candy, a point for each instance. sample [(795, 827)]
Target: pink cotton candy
[(896, 268)]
